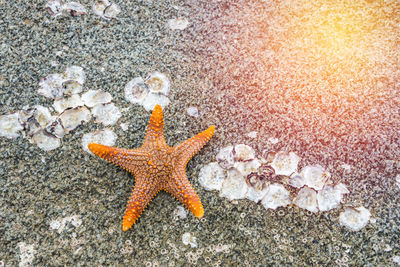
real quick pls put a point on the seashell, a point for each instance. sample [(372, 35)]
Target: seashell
[(45, 141), (107, 114), (211, 176), (285, 163), (104, 136), (67, 102), (178, 23), (158, 83), (94, 97), (234, 186), (72, 118), (10, 125), (306, 199), (136, 90), (277, 196), (354, 219)]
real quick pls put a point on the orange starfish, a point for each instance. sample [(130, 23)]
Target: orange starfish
[(156, 167)]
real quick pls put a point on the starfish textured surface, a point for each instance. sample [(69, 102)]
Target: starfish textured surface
[(157, 166)]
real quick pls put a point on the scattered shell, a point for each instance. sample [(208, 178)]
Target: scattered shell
[(72, 87), (42, 115), (211, 176), (306, 199), (54, 7), (252, 134), (329, 198), (277, 196), (285, 163), (180, 212), (74, 73), (124, 126), (74, 8), (342, 188), (189, 239), (225, 157), (10, 125), (111, 11), (107, 114), (136, 91), (104, 136), (315, 176), (27, 254), (178, 23), (257, 187), (192, 111), (297, 180), (55, 128), (158, 83), (151, 100), (72, 118), (234, 186), (247, 167), (51, 86), (68, 102), (45, 141), (94, 97), (354, 218), (28, 121), (243, 152)]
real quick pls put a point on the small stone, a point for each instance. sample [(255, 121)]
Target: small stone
[(67, 102), (10, 125), (107, 114), (189, 239), (234, 186), (243, 152), (315, 176), (277, 196), (211, 176), (136, 91), (94, 97), (104, 136), (158, 83), (354, 218), (192, 111), (178, 23), (306, 199), (225, 157), (72, 118), (45, 141), (285, 163)]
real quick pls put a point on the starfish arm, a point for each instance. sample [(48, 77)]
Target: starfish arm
[(142, 194), (180, 187), (129, 159), (188, 148), (155, 129)]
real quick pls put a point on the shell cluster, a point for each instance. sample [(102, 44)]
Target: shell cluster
[(102, 8), (275, 181), (148, 92), (45, 126)]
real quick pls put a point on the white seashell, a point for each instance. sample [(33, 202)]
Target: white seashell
[(124, 126), (285, 163), (72, 87), (211, 176), (315, 176), (192, 111), (42, 115), (178, 23), (104, 136), (111, 11), (152, 99), (247, 167), (10, 125), (306, 199), (99, 7), (158, 83), (296, 180), (256, 193), (342, 188), (225, 157), (107, 114), (180, 212), (136, 90), (74, 8), (74, 73), (45, 141), (329, 198), (51, 86), (234, 186), (243, 152), (67, 102), (54, 7), (94, 97), (189, 239), (354, 218), (277, 196), (72, 118), (55, 128)]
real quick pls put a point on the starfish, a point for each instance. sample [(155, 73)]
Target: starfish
[(156, 166)]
